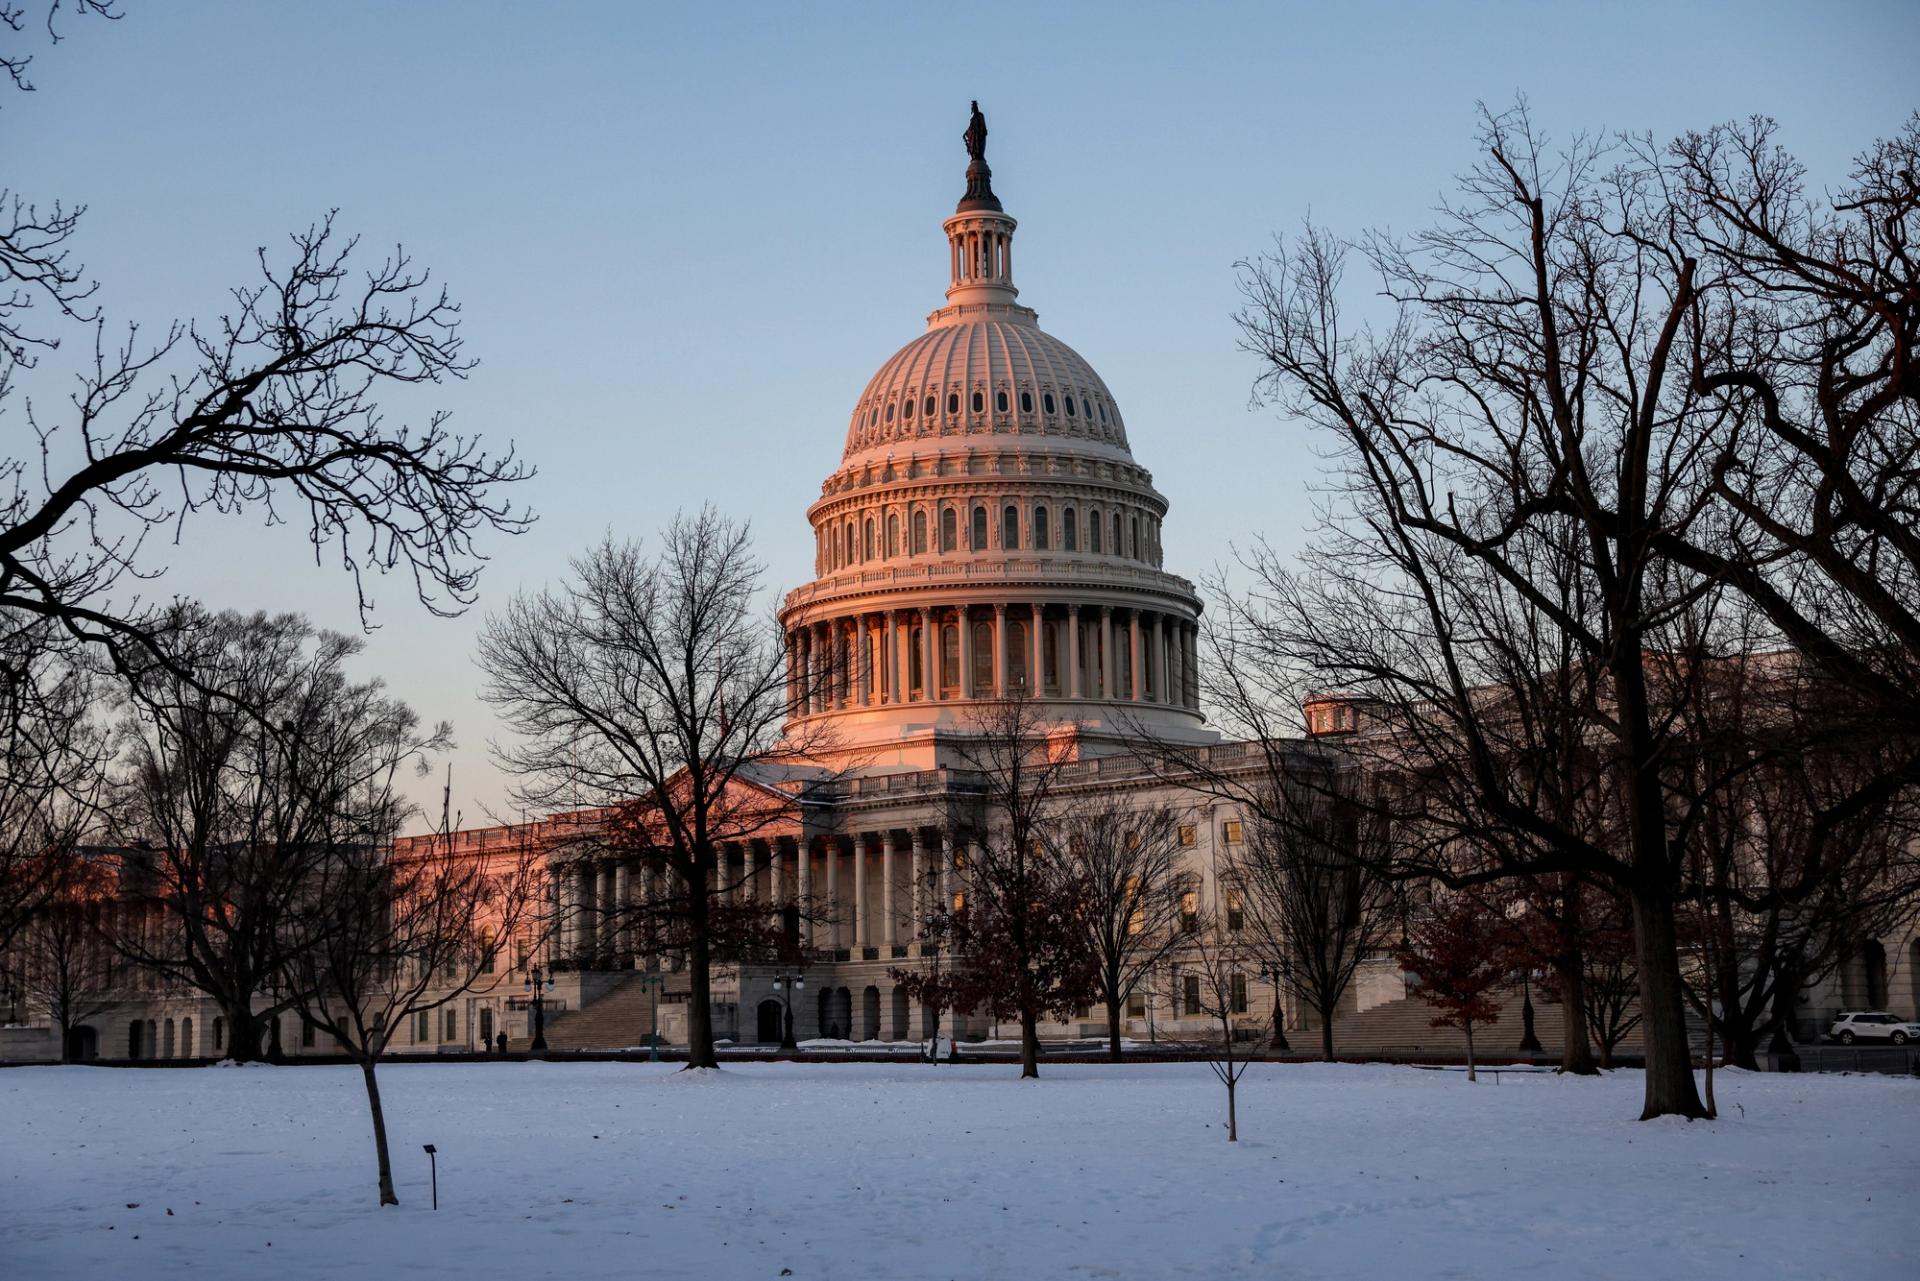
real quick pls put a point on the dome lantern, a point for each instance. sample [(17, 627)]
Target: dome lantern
[(980, 234)]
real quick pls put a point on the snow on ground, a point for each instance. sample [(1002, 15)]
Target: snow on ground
[(908, 1171)]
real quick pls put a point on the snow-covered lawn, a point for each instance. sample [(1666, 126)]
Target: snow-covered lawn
[(907, 1170)]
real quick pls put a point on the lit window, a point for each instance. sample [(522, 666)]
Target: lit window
[(959, 901), (1232, 831), (1189, 911), (1188, 836)]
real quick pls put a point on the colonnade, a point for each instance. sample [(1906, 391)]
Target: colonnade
[(866, 894), (940, 653)]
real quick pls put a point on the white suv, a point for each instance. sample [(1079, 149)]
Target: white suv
[(1873, 1025)]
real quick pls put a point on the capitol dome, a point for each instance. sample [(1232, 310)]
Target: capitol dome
[(988, 535)]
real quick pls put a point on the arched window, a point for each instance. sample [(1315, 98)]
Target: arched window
[(1010, 528), (949, 656), (1000, 402), (914, 673), (850, 543), (1046, 401), (1118, 548), (867, 546), (949, 529), (219, 1032), (1093, 530), (1049, 658), (906, 409), (1042, 538), (1017, 655), (893, 534), (166, 1051), (920, 533), (983, 660), (953, 402), (1133, 541), (979, 529), (1026, 402), (979, 402), (1103, 412), (186, 1038), (889, 413), (1069, 406), (1069, 534), (1086, 410), (932, 404)]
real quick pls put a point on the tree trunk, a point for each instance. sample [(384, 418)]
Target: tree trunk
[(1576, 1046), (1326, 1033), (1113, 1028), (387, 1196), (1233, 1120), (699, 978), (1029, 1044), (244, 1031), (1670, 1089), (1467, 1027)]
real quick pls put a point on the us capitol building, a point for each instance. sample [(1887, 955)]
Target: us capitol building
[(987, 535)]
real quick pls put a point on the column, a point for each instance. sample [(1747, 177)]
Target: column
[(857, 846), (1074, 689), (832, 854), (588, 913), (1157, 655), (919, 880), (886, 890), (803, 858), (623, 896), (804, 672), (948, 845), (1136, 661), (1000, 651), (1105, 684), (966, 656), (1191, 635), (746, 872), (891, 657), (929, 674), (863, 674), (1036, 677)]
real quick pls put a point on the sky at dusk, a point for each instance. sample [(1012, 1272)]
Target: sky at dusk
[(684, 237)]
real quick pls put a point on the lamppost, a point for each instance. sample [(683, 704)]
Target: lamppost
[(654, 982), (539, 989), (1276, 975), (786, 983)]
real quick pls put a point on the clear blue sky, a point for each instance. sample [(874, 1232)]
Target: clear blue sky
[(684, 237)]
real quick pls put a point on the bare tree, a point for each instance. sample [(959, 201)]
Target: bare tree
[(1221, 961), (650, 691), (62, 961), (1132, 877), (400, 935), (239, 777)]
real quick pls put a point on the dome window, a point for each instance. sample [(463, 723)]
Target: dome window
[(906, 409), (1069, 531), (949, 530), (1042, 536), (979, 402), (889, 413), (1086, 410), (1000, 402), (1010, 529), (920, 533), (1046, 401), (1026, 402), (1103, 413), (893, 534), (1069, 406), (979, 529), (933, 404), (953, 402)]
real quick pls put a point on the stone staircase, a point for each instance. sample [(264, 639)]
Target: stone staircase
[(616, 1020), (1405, 1027)]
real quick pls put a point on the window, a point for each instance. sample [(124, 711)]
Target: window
[(1049, 657), (488, 952), (979, 402), (1093, 531), (1000, 402), (219, 1032), (949, 656), (868, 534), (959, 901), (1231, 830), (1189, 911), (1010, 528), (893, 534), (953, 402), (1136, 1004), (1047, 401), (1069, 535), (1188, 836), (422, 1028), (983, 657), (451, 1030), (1190, 987), (906, 410), (1118, 550), (306, 1034), (933, 403), (1042, 538), (1026, 402), (1133, 541), (850, 546), (1017, 655), (915, 677), (889, 413), (1236, 911), (949, 529), (1237, 990), (920, 533), (1069, 406), (1086, 410), (1103, 413), (979, 529)]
